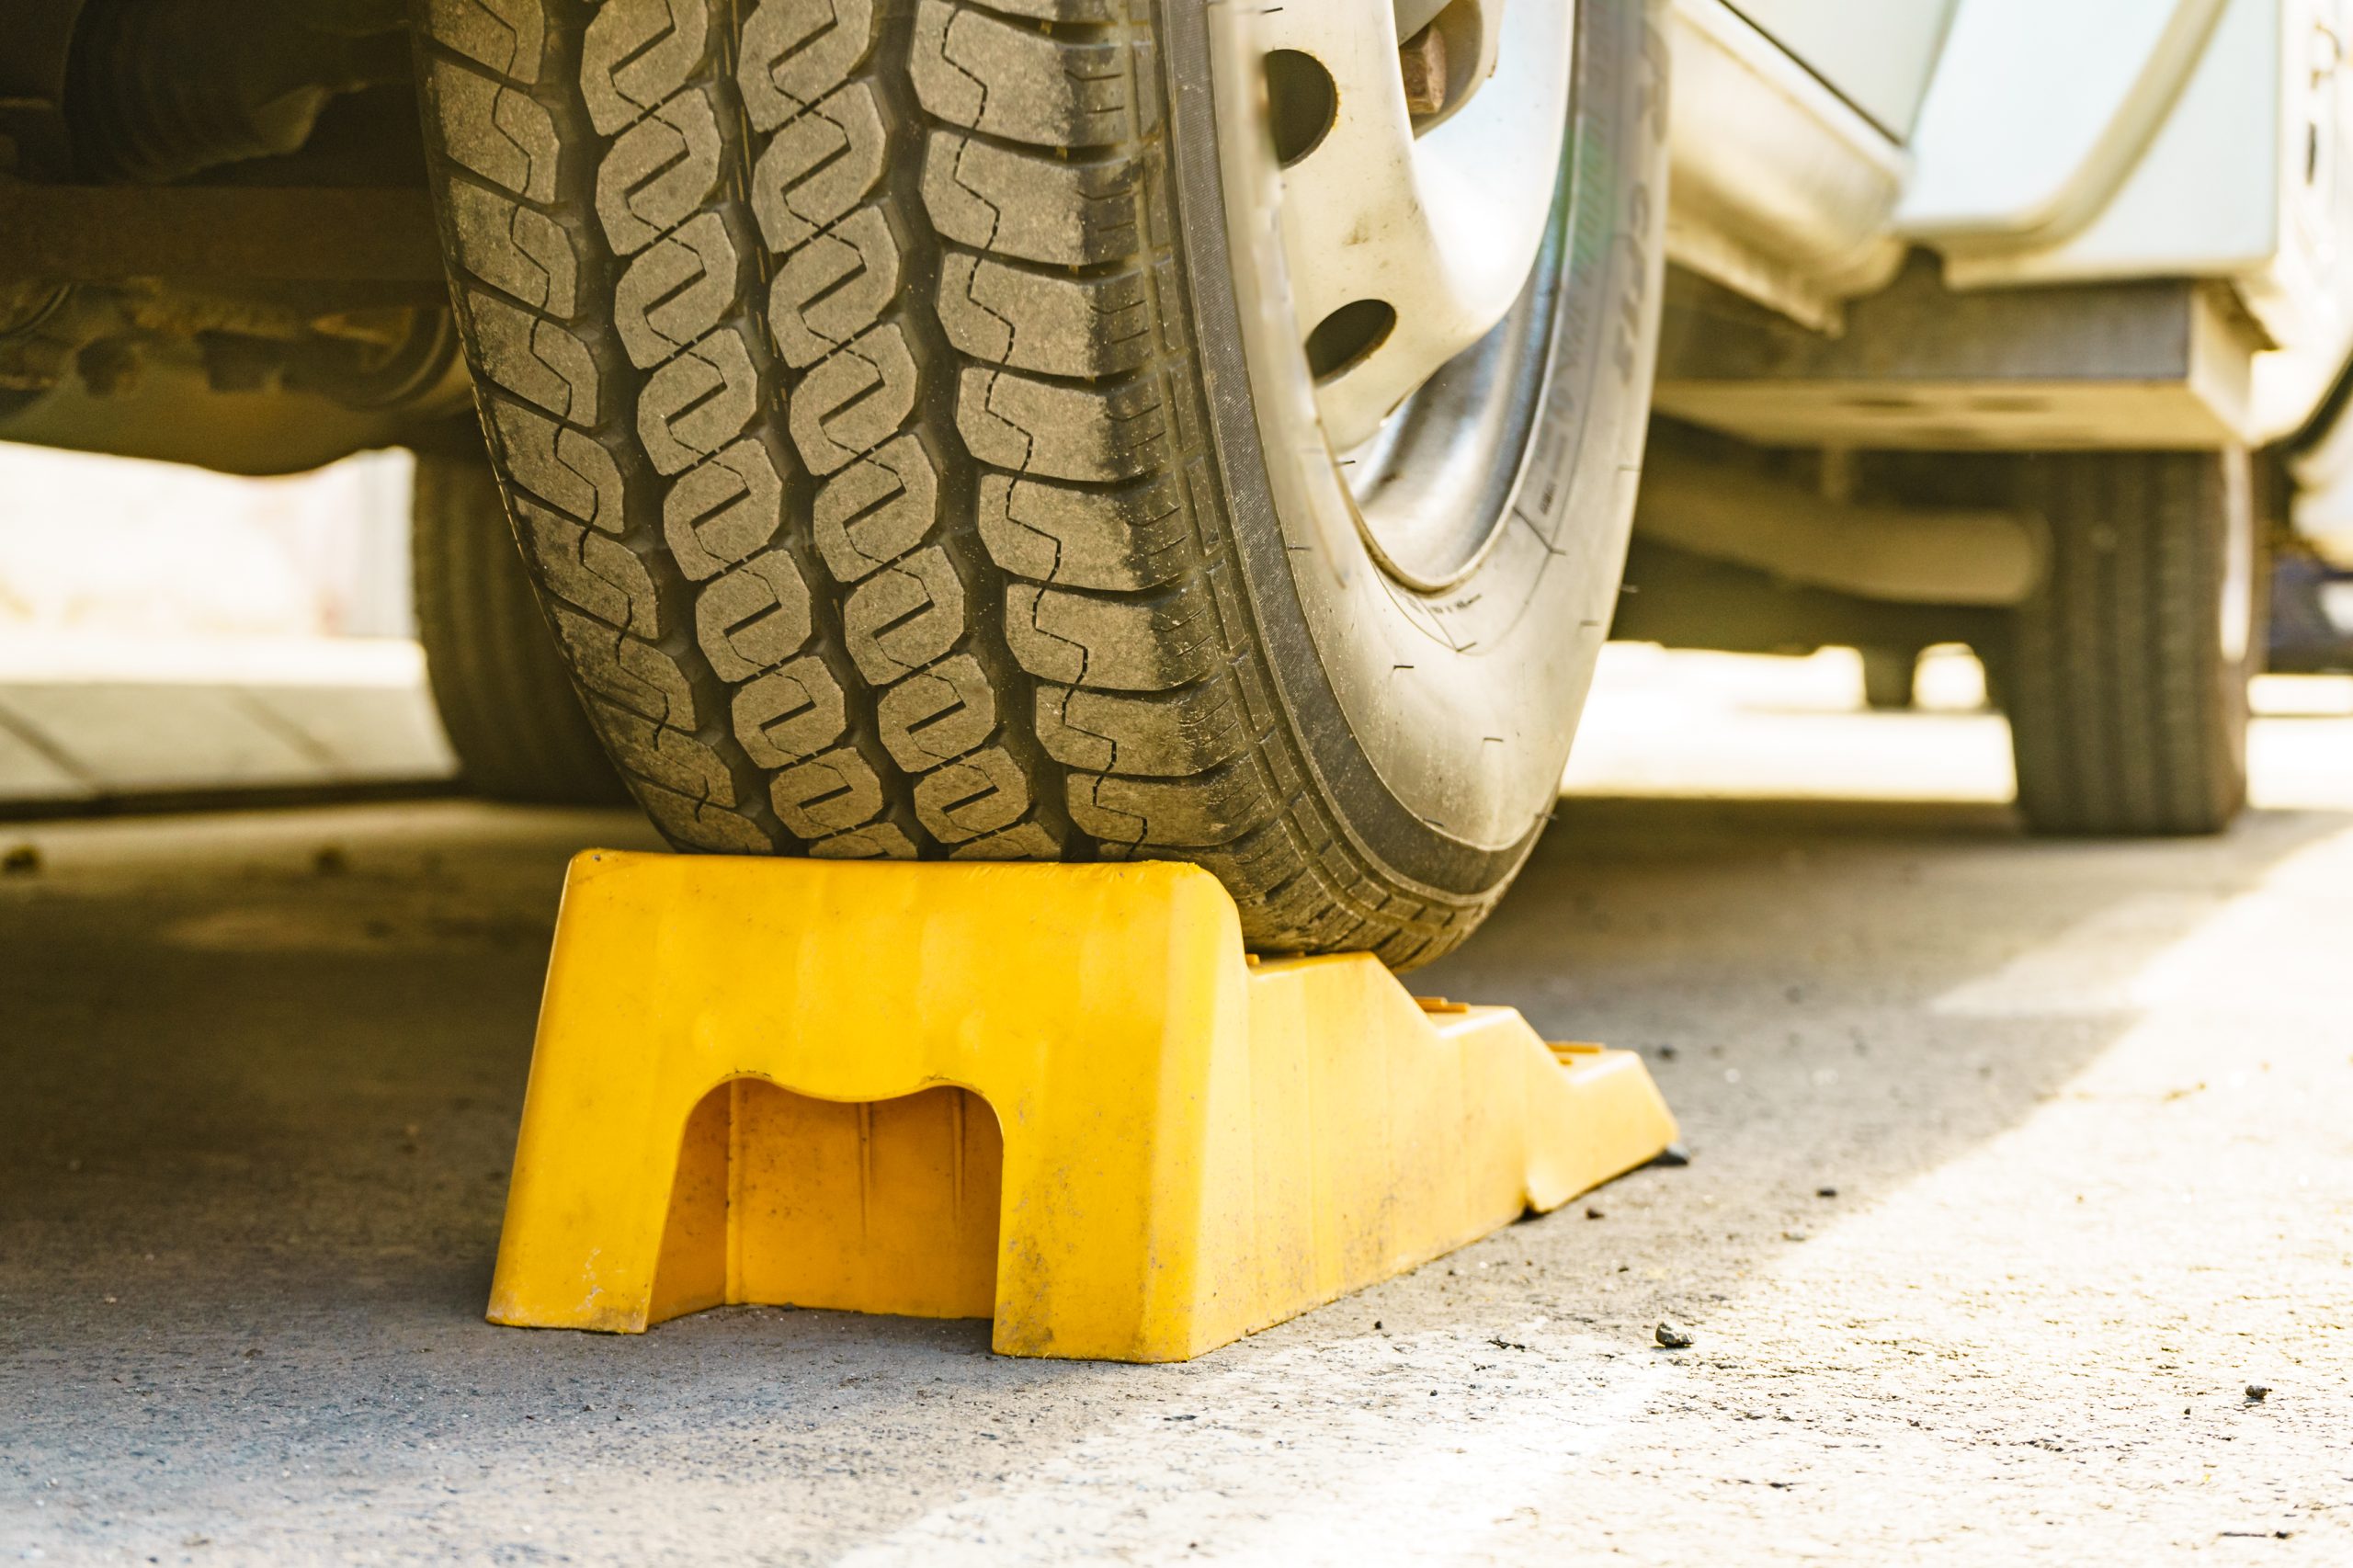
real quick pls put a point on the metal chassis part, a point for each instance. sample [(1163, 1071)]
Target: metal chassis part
[(71, 234), (1901, 554), (1689, 601), (36, 45), (2164, 363)]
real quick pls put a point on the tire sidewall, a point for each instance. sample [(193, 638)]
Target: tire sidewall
[(1436, 725)]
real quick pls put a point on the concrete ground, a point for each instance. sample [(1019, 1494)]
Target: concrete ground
[(2013, 1165), (89, 721), (195, 635)]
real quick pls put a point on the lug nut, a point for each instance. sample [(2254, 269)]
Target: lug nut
[(1422, 61)]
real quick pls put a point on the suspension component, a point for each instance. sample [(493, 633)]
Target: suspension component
[(158, 90)]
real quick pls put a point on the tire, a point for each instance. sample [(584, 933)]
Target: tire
[(869, 379), (2126, 685), (2308, 634), (1889, 676), (505, 694)]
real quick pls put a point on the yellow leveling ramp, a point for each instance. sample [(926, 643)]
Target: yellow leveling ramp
[(1059, 1097)]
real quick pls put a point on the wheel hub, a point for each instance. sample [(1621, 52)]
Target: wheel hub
[(1415, 181)]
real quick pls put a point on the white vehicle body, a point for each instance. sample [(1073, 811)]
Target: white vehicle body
[(2179, 167)]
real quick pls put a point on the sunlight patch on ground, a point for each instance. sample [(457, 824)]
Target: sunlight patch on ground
[(1664, 722)]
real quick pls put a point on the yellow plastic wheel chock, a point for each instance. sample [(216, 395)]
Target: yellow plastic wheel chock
[(1058, 1097)]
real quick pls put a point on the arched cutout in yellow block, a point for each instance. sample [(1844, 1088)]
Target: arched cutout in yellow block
[(767, 1080), (881, 1207)]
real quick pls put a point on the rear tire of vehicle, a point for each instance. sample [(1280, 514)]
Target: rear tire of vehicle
[(867, 382), (2127, 684), (505, 694)]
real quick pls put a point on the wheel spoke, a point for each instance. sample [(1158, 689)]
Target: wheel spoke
[(1407, 237)]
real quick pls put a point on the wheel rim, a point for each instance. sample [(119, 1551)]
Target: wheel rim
[(1453, 703), (1409, 244)]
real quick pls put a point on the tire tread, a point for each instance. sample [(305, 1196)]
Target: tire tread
[(2124, 717), (839, 367)]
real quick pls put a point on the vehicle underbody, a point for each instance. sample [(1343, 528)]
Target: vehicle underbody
[(236, 231), (222, 250)]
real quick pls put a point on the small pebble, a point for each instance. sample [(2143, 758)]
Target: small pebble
[(1592, 1213), (2257, 1393), (1673, 1339), (1793, 1236), (23, 860), (1825, 1192)]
